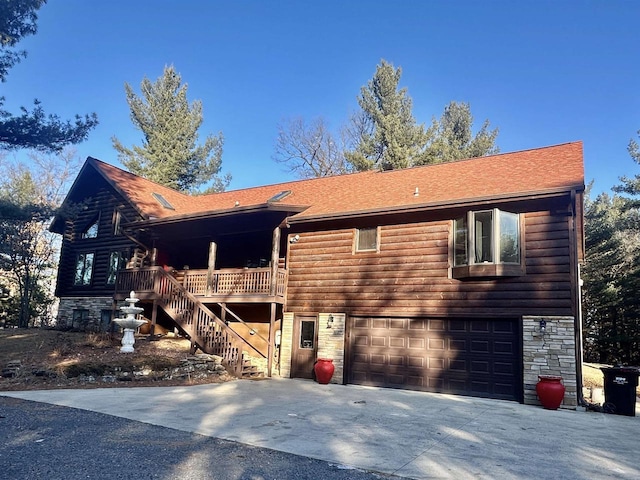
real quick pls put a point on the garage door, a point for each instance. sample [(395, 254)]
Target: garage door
[(478, 357)]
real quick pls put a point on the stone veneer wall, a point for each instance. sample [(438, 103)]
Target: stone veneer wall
[(330, 343), (94, 305), (286, 345), (550, 353)]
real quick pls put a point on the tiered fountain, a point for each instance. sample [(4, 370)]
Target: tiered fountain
[(130, 323)]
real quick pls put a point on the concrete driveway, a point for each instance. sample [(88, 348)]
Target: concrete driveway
[(412, 434)]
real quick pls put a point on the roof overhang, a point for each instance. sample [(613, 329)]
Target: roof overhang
[(253, 218), (435, 206)]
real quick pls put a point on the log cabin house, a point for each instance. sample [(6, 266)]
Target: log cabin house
[(460, 277)]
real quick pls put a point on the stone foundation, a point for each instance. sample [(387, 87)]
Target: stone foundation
[(552, 352), (92, 321)]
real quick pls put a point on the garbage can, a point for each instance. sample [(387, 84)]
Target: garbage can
[(620, 390)]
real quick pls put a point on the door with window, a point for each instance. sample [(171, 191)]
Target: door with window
[(305, 346)]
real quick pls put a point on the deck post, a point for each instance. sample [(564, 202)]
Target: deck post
[(275, 255), (272, 324), (154, 315), (211, 266)]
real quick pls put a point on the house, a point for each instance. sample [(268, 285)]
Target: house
[(460, 277)]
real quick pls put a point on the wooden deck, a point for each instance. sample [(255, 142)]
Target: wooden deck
[(230, 285)]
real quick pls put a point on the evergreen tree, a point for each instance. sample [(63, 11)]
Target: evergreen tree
[(169, 154), (612, 273), (31, 129), (30, 195), (452, 138), (631, 186), (387, 135)]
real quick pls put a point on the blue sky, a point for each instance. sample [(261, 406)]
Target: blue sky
[(544, 72)]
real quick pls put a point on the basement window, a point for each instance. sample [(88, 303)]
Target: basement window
[(162, 201)]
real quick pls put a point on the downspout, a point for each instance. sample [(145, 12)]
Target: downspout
[(578, 298)]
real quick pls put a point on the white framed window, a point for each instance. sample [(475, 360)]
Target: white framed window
[(487, 237), (367, 239)]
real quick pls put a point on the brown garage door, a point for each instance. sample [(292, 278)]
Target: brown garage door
[(461, 356)]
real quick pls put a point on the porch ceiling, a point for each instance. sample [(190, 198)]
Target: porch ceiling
[(209, 227)]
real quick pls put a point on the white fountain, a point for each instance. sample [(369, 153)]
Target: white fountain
[(130, 323)]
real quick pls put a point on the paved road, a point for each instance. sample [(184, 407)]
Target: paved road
[(41, 441)]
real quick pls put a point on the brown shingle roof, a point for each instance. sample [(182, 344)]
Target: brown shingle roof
[(504, 175)]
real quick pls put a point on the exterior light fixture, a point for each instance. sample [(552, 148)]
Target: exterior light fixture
[(294, 239), (252, 332), (543, 326), (330, 321)]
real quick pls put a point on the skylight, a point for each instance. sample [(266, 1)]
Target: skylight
[(163, 201), (279, 196)]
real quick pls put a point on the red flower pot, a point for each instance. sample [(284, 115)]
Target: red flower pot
[(324, 370), (550, 391)]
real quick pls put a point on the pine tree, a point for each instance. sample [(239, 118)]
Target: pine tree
[(31, 129), (169, 153), (386, 134), (452, 137)]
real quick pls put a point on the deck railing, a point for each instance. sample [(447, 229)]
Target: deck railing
[(204, 328), (229, 281)]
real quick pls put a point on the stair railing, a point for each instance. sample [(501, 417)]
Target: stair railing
[(205, 328)]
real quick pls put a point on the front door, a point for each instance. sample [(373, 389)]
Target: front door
[(305, 346)]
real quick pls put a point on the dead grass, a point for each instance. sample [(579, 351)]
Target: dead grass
[(55, 359)]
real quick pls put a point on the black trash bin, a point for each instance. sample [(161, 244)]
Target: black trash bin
[(620, 390)]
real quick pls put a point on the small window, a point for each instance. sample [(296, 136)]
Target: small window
[(117, 261), (80, 317), (105, 319), (367, 239), (307, 334), (84, 269), (92, 229)]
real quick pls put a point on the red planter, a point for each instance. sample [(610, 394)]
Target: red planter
[(324, 370), (550, 391)]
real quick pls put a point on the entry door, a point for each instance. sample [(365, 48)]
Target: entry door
[(305, 346)]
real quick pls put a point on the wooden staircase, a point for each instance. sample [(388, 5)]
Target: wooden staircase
[(138, 258), (205, 329)]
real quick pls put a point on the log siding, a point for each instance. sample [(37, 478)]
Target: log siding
[(103, 203), (410, 275)]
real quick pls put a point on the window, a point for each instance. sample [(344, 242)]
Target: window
[(307, 334), (80, 317), (117, 218), (117, 261), (84, 269), (105, 319), (487, 239), (367, 239), (92, 229)]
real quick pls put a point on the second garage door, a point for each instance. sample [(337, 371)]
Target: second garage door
[(478, 357)]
